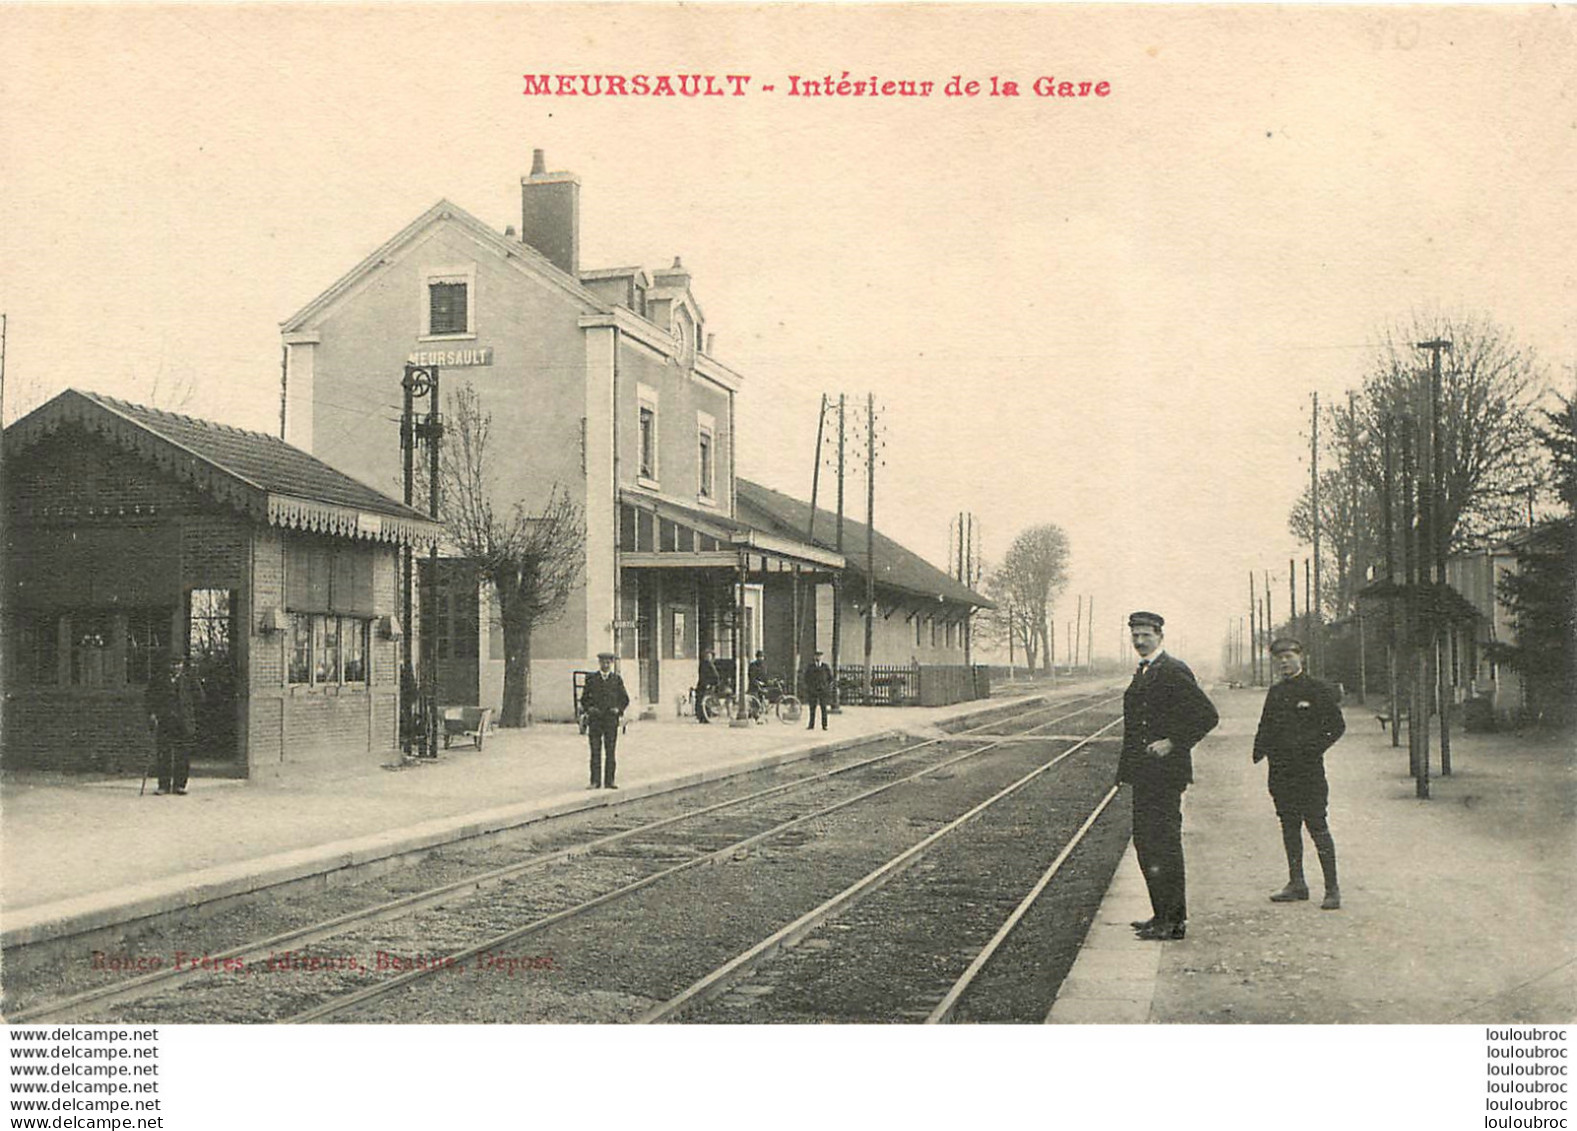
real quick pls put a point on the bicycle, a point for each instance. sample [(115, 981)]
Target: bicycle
[(773, 696), (708, 707)]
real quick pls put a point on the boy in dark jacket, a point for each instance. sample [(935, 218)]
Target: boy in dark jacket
[(1301, 720)]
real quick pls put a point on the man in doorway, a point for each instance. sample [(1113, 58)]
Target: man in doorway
[(604, 700), (818, 688), (1165, 714), (756, 675), (171, 700), (1301, 720), (708, 679)]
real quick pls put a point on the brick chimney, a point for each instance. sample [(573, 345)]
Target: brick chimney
[(550, 214)]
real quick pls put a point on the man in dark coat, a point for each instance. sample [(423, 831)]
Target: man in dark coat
[(707, 680), (171, 701), (756, 674), (1164, 715), (1301, 720), (818, 688), (604, 701)]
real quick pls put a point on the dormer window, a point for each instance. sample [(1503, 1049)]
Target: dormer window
[(449, 303)]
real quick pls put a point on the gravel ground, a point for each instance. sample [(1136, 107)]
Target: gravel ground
[(172, 938), (629, 955), (895, 955), (286, 984)]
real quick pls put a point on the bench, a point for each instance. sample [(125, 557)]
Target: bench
[(466, 722), (1384, 719)]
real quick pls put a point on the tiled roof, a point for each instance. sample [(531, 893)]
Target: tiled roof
[(252, 471), (896, 566)]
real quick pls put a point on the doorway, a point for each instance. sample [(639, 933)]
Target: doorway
[(210, 653)]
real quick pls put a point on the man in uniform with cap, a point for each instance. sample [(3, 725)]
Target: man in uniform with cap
[(1164, 715), (1301, 720), (818, 689), (171, 701), (604, 700)]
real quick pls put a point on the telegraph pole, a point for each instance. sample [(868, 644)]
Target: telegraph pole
[(1315, 644), (810, 537), (1268, 626), (1078, 632), (1418, 707), (1357, 567), (837, 578), (1253, 605), (1089, 644), (1390, 576), (815, 471), (1308, 601), (969, 614), (1443, 688), (870, 538)]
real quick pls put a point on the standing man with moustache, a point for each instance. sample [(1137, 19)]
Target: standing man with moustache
[(1165, 714), (604, 699)]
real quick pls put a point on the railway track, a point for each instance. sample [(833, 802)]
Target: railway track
[(681, 921), (906, 924), (622, 861)]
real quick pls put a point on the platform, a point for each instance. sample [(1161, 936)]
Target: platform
[(78, 854), (1458, 909)]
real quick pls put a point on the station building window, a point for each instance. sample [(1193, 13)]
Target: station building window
[(327, 650), (647, 436), (328, 592), (449, 302), (147, 639), (35, 660), (706, 456), (92, 636)]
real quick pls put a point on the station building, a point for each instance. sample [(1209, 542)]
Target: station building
[(598, 382), (1477, 575), (132, 532)]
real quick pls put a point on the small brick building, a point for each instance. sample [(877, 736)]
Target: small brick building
[(131, 531)]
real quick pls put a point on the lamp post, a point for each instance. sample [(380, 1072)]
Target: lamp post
[(421, 381)]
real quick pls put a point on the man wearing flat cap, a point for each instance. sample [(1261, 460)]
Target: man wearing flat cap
[(1165, 714), (1301, 720), (604, 700), (818, 684)]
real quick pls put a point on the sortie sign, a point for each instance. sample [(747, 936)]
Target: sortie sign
[(453, 359)]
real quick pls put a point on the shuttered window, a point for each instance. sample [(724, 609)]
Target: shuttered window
[(328, 579), (447, 313)]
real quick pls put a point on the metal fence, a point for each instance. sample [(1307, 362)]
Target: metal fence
[(913, 685)]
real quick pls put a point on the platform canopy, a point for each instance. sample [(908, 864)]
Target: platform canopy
[(658, 533), (255, 473), (1431, 599)]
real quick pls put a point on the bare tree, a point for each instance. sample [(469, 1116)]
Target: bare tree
[(1032, 573), (1490, 460), (532, 560), (1489, 386)]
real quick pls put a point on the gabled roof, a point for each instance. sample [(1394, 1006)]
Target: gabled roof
[(1429, 598), (504, 246), (253, 472), (896, 567)]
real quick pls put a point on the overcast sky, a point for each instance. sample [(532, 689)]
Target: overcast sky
[(1106, 313)]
